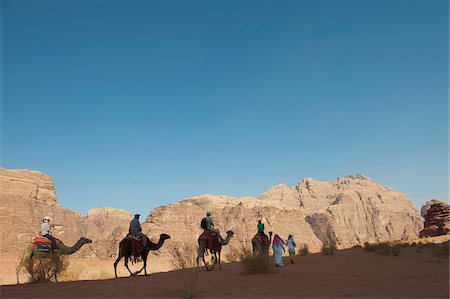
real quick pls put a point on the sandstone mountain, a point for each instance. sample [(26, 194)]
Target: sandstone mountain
[(437, 218), (348, 211)]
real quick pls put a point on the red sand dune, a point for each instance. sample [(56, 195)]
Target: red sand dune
[(351, 273)]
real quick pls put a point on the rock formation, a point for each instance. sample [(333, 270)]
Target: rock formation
[(437, 219), (348, 211)]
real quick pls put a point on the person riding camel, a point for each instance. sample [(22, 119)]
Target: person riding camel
[(208, 224), (261, 233), (46, 231), (136, 229)]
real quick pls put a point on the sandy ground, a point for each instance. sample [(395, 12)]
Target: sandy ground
[(351, 273)]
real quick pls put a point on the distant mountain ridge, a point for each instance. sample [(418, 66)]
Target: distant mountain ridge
[(348, 211)]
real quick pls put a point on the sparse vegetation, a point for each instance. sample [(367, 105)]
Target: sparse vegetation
[(73, 271), (184, 259), (440, 250), (233, 254), (384, 248), (254, 264), (303, 250), (42, 270), (328, 248)]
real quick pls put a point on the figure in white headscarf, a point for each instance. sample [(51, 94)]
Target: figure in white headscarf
[(278, 249)]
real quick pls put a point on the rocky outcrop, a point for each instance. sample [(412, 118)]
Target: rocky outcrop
[(349, 211), (437, 219)]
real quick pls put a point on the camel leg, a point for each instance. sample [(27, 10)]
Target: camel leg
[(220, 265), (126, 266), (57, 265), (117, 261), (145, 266), (27, 254)]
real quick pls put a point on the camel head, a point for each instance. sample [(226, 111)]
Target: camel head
[(270, 233), (164, 236), (85, 240), (230, 233)]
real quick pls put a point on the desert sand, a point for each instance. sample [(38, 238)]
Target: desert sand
[(353, 273)]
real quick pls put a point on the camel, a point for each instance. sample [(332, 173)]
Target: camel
[(125, 251), (217, 248), (32, 252), (259, 247)]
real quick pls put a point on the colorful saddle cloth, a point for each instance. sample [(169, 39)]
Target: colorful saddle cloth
[(42, 243)]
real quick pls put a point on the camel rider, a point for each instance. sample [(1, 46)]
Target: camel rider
[(260, 227), (210, 224), (136, 230), (45, 231)]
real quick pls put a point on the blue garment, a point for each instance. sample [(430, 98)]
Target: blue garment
[(135, 226)]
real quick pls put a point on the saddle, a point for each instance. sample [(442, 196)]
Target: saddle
[(209, 240), (137, 246), (43, 243), (264, 239)]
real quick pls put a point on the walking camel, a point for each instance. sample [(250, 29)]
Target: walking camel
[(214, 244), (125, 251), (31, 252), (259, 247)]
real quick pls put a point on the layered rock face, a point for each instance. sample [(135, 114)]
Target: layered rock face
[(351, 210), (437, 219), (26, 197)]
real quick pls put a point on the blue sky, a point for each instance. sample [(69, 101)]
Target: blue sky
[(136, 104)]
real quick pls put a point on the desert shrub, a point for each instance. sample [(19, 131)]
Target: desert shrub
[(328, 249), (184, 259), (440, 250), (303, 250), (370, 247), (254, 264), (101, 275), (395, 249), (42, 270), (72, 272), (384, 248), (413, 244), (233, 254)]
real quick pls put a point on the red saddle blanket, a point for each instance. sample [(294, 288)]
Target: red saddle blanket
[(41, 240), (263, 239), (209, 240), (137, 247)]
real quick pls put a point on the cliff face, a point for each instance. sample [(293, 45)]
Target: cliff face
[(348, 211)]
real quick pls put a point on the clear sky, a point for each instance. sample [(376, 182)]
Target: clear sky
[(136, 104)]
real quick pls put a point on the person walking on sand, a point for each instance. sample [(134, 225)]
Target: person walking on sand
[(278, 249), (291, 248)]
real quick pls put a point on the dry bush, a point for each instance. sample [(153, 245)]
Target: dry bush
[(184, 258), (384, 248), (42, 270), (413, 244), (440, 250), (254, 264), (74, 271), (233, 254), (328, 248), (103, 274), (303, 250)]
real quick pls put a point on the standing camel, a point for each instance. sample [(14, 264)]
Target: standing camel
[(214, 244), (259, 247), (32, 252), (125, 251)]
